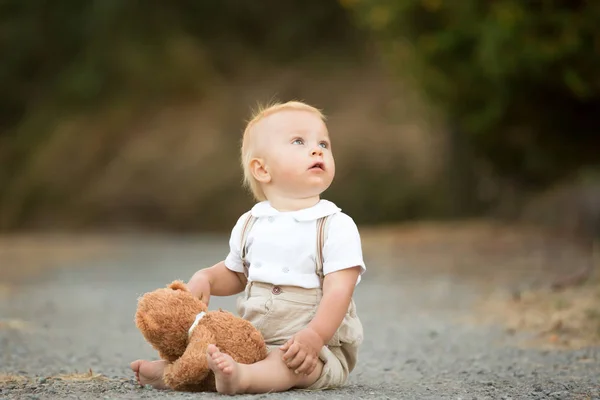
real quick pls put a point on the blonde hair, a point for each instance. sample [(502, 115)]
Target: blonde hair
[(262, 112)]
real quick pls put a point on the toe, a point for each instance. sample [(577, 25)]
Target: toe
[(135, 366), (212, 349)]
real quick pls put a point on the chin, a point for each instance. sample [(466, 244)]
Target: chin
[(305, 194), (318, 191), (311, 188)]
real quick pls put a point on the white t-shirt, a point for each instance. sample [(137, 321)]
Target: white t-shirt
[(281, 246)]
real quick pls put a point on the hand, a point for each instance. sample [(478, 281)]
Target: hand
[(302, 351), (199, 285)]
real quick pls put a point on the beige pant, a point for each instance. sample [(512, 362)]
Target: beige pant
[(278, 312)]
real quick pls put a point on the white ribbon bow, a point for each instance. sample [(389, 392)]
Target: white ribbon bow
[(195, 324)]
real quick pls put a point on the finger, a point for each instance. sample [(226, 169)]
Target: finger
[(291, 352), (297, 360), (287, 345), (305, 366), (205, 298), (312, 367)]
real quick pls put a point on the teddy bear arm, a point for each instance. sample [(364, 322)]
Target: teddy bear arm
[(192, 367)]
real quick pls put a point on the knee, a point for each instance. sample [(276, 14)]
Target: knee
[(305, 381)]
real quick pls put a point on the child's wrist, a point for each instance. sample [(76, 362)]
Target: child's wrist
[(323, 338)]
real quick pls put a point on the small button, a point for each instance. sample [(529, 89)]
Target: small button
[(257, 265), (271, 219), (286, 269), (276, 290)]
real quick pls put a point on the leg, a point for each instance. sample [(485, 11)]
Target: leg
[(150, 373), (268, 375)]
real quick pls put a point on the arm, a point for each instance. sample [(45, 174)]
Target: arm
[(342, 249), (225, 278), (301, 352), (343, 263), (217, 280), (338, 288)]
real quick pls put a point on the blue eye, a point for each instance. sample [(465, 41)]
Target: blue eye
[(298, 141), (323, 145)]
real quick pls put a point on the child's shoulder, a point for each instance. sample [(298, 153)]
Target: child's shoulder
[(242, 219), (340, 221), (335, 213)]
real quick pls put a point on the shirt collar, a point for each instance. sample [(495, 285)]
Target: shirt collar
[(321, 209)]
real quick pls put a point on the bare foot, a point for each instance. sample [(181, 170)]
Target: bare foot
[(228, 376), (150, 373)]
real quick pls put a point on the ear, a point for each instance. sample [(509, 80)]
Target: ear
[(259, 170), (178, 285)]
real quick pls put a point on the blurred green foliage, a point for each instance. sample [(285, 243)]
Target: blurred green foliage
[(114, 60), (65, 53), (521, 79), (516, 82)]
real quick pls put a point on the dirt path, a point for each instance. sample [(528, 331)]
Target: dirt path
[(70, 332)]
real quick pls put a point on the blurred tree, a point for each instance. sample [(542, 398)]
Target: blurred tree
[(73, 54), (521, 80), (64, 60)]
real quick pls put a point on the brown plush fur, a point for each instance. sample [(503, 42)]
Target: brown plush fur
[(164, 317)]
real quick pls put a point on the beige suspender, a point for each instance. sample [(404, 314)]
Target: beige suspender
[(321, 237), (245, 231)]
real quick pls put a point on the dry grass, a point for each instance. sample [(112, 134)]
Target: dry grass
[(156, 168), (569, 319), (5, 379), (81, 377), (489, 252), (516, 265), (14, 324)]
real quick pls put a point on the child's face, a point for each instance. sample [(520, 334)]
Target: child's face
[(296, 151)]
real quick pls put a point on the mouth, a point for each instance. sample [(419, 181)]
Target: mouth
[(317, 166)]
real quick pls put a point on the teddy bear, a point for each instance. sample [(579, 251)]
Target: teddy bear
[(179, 326)]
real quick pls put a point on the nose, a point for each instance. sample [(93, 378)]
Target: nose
[(318, 151)]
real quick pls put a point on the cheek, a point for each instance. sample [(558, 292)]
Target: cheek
[(285, 166), (292, 161), (331, 162)]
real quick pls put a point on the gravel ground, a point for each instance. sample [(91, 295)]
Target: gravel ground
[(79, 317)]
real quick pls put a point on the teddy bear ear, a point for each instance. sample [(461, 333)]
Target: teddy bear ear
[(178, 285)]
